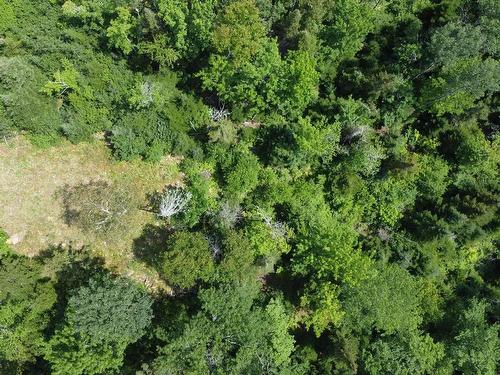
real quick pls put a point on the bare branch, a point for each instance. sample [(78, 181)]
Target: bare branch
[(173, 201)]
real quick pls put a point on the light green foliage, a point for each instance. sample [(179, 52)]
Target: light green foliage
[(244, 58), (265, 239), (456, 41), (241, 176), (432, 179), (119, 30), (307, 144), (362, 151), (460, 84), (282, 343), (325, 309), (239, 32), (300, 82), (247, 71), (65, 80), (416, 354), (316, 141), (91, 12), (7, 15), (187, 259), (173, 14), (204, 190), (394, 195), (465, 76), (75, 354), (200, 20), (326, 243), (342, 158), (349, 23), (180, 29), (70, 9), (143, 94), (476, 346), (326, 249)]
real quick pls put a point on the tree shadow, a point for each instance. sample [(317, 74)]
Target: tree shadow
[(70, 268), (69, 214), (153, 202), (151, 245)]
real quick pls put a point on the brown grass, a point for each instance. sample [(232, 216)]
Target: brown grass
[(32, 215)]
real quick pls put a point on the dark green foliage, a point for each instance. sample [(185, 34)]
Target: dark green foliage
[(342, 159), (109, 310), (100, 321), (232, 333), (187, 259), (26, 303), (388, 302), (24, 106)]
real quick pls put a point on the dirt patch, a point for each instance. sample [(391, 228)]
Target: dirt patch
[(32, 214)]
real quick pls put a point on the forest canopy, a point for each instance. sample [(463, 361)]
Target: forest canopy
[(337, 210)]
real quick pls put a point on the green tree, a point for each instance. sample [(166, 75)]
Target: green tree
[(432, 179), (388, 302), (23, 105), (459, 85), (243, 69), (8, 17), (475, 348), (241, 176), (416, 354), (100, 321), (71, 353), (187, 259), (26, 303), (110, 310), (120, 29), (232, 334)]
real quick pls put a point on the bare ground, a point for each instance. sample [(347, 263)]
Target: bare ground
[(32, 215)]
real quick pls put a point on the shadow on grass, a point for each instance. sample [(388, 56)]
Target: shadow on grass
[(151, 245)]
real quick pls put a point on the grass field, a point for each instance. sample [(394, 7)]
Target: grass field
[(32, 214)]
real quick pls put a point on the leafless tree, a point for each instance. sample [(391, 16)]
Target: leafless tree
[(98, 206), (215, 247), (230, 214), (173, 201), (218, 114), (147, 90), (278, 228)]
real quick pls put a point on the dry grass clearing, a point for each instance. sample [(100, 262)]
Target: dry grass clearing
[(32, 214)]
